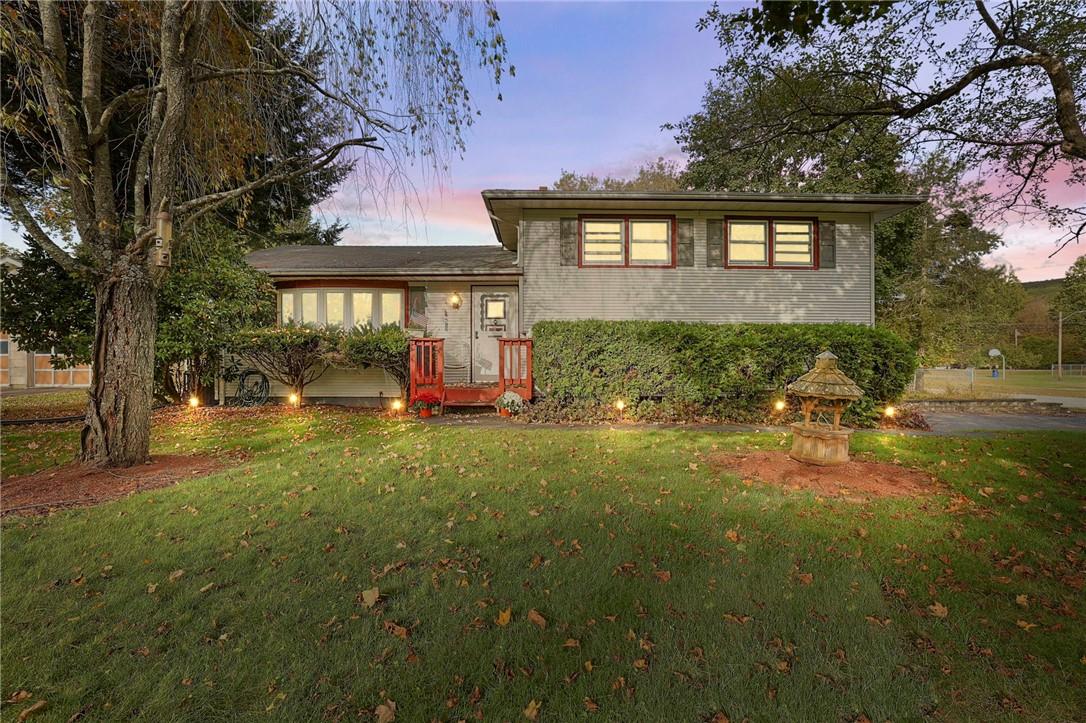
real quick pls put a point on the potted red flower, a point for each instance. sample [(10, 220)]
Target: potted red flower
[(425, 404)]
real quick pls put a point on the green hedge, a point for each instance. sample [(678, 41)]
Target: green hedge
[(730, 371)]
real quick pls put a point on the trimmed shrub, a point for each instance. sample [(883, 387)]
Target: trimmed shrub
[(728, 371), (384, 348), (292, 355)]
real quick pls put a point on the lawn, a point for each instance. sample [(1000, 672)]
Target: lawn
[(954, 383), (43, 405), (589, 574)]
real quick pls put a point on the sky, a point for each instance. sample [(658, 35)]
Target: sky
[(594, 84)]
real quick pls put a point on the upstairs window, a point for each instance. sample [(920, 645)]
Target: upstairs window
[(769, 243), (748, 243), (627, 242), (604, 242), (793, 243), (650, 242)]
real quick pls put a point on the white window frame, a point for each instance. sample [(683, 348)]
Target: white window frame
[(622, 241), (349, 321), (766, 244), (667, 241), (810, 245)]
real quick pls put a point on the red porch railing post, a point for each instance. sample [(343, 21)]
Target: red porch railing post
[(426, 363), (515, 366)]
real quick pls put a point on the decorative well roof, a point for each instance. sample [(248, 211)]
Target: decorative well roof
[(826, 381)]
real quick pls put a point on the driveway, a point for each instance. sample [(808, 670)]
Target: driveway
[(956, 423)]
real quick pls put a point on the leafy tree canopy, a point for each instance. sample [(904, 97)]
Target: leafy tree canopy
[(1004, 97), (659, 175), (1071, 298)]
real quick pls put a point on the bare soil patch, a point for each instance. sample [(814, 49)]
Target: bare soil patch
[(854, 480), (73, 485)]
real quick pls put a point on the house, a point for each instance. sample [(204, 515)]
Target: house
[(21, 369), (683, 256)]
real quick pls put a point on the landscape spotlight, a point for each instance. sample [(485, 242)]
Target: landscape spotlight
[(294, 398), (194, 401), (889, 411), (397, 405), (779, 405), (620, 405)]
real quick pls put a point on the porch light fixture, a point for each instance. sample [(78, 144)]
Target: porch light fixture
[(294, 399), (455, 300), (194, 401)]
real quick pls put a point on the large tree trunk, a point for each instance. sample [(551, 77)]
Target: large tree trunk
[(117, 428)]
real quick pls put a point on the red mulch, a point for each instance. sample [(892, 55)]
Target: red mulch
[(853, 480), (74, 485)]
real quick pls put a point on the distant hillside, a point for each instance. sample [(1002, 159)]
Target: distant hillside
[(1046, 290)]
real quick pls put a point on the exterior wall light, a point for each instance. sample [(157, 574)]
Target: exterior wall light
[(194, 401), (455, 300)]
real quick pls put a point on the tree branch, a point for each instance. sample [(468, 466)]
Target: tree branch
[(22, 214)]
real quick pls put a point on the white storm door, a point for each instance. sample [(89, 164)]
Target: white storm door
[(494, 315)]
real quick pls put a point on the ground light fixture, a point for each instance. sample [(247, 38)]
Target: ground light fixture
[(294, 398), (620, 405), (397, 405), (779, 405), (194, 401), (890, 411)]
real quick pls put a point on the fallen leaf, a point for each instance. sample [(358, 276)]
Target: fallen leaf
[(369, 597), (19, 696), (590, 705), (532, 711), (207, 587), (385, 712), (504, 617), (176, 575), (663, 575), (536, 619), (151, 587), (398, 630), (1026, 626), (1022, 600), (36, 708), (806, 578), (732, 535), (938, 609), (571, 643)]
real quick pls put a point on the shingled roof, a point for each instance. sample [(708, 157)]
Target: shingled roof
[(384, 261)]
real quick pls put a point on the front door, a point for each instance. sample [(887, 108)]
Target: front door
[(494, 316)]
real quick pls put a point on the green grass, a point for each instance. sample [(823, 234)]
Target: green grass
[(954, 383), (43, 406), (265, 622)]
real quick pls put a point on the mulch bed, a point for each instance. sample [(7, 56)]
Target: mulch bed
[(853, 480), (74, 485)]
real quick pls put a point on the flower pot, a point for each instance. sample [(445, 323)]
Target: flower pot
[(505, 413), (426, 412)]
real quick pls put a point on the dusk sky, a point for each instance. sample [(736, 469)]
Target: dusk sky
[(594, 83)]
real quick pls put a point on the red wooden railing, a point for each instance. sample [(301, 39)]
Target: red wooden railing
[(427, 364), (515, 366)]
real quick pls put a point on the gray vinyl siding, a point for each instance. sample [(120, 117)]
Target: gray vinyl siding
[(550, 291)]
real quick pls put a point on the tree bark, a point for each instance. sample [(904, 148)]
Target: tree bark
[(117, 427)]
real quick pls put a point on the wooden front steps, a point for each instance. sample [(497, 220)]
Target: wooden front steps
[(427, 374), (471, 395)]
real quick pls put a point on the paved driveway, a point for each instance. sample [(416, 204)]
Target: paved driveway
[(955, 422)]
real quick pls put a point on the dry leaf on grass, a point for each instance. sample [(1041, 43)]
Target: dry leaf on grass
[(938, 609), (504, 617), (385, 712), (536, 619), (369, 597), (32, 710), (532, 711)]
